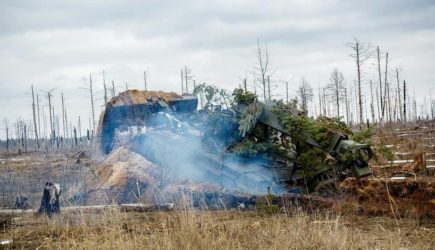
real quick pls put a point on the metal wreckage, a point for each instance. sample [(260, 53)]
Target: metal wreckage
[(241, 143)]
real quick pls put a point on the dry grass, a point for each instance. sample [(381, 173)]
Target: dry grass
[(195, 229)]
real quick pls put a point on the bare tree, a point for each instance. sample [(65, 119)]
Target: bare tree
[(89, 87), (39, 120), (305, 93), (50, 110), (361, 54), (262, 67), (347, 105), (63, 119), (398, 94), (372, 105), (381, 115), (7, 134), (113, 89), (182, 82), (34, 117), (387, 101), (145, 79), (335, 87), (105, 88), (404, 101), (188, 76)]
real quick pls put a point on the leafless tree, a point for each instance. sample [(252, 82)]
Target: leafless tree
[(305, 93), (404, 101), (34, 117), (7, 134), (145, 79), (63, 119), (399, 97), (347, 105), (113, 89), (89, 87), (361, 53), (378, 53), (182, 82), (186, 73), (39, 120), (372, 105), (105, 88), (262, 67), (335, 87)]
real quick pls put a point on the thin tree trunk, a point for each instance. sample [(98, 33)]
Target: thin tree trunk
[(80, 129), (404, 101), (359, 85), (145, 79), (182, 82), (185, 77), (337, 93), (286, 91), (386, 86), (399, 97), (92, 102), (7, 135), (63, 118), (372, 108), (105, 88), (51, 119), (39, 120), (347, 105), (34, 117), (380, 84)]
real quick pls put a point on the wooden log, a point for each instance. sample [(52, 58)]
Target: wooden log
[(136, 207)]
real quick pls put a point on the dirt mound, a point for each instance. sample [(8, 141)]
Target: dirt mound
[(408, 197), (122, 177)]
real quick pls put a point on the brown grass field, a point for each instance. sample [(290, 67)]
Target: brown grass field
[(200, 229)]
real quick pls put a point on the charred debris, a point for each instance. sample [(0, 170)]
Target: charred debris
[(236, 141)]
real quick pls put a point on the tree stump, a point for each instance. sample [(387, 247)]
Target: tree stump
[(50, 199)]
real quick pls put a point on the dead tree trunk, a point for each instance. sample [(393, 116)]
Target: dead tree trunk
[(185, 78), (50, 199), (372, 108), (39, 119), (361, 54), (145, 79), (286, 91), (387, 88), (92, 101), (347, 105), (380, 83), (105, 88), (63, 119), (398, 95), (182, 82), (34, 118), (7, 135), (404, 101), (51, 119)]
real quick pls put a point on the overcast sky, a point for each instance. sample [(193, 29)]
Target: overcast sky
[(54, 44)]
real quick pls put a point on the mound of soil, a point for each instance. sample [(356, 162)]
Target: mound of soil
[(408, 197)]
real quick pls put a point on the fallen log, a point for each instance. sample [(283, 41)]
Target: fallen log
[(141, 208)]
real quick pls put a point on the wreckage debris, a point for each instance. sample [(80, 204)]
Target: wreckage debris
[(246, 146)]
